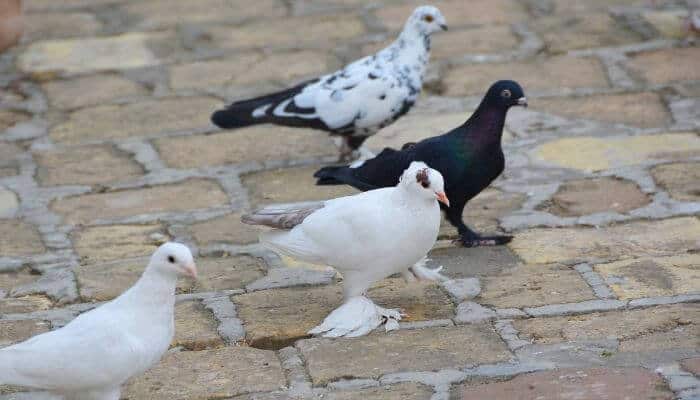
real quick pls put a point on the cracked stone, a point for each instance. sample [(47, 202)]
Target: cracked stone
[(9, 119), (653, 276), (581, 31), (12, 332), (54, 25), (90, 90), (654, 67), (643, 110), (277, 317), (463, 289), (399, 391), (595, 154), (579, 384), (192, 194), (217, 373), (630, 240), (195, 327), (254, 144), (114, 242), (462, 262), (8, 203), (226, 273), (74, 56), (105, 122), (681, 180), (590, 196), (24, 304), (12, 279), (227, 229), (692, 365), (542, 74), (642, 330), (668, 23), (18, 238), (85, 165), (290, 185), (471, 313), (483, 212), (534, 285), (251, 69), (400, 351)]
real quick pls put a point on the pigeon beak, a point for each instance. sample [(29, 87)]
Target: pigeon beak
[(443, 27), (442, 198), (191, 271), (522, 102)]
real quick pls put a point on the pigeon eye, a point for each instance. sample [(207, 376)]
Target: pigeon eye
[(506, 94), (171, 259), (428, 18)]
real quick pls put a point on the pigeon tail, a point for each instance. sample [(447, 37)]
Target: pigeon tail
[(328, 176)]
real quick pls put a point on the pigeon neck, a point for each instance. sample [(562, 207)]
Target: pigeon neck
[(155, 287), (485, 126), (411, 50)]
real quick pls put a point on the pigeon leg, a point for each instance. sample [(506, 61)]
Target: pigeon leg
[(468, 237), (421, 272), (357, 317)]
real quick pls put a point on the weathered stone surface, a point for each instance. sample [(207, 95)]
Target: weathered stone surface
[(54, 25), (462, 262), (595, 154), (458, 13), (570, 384), (136, 119), (290, 185), (9, 119), (226, 229), (8, 171), (404, 350), (12, 332), (232, 272), (589, 196), (86, 165), (24, 304), (321, 30), (483, 211), (216, 373), (195, 327), (582, 31), (650, 277), (399, 391), (250, 69), (90, 90), (650, 329), (8, 203), (42, 5), (130, 50), (654, 67), (275, 318), (681, 180), (668, 23), (635, 239), (104, 243), (12, 279), (534, 285), (644, 110), (254, 144), (18, 238), (192, 194), (692, 365), (167, 13), (568, 8)]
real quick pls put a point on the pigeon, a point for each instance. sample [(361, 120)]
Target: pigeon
[(92, 356), (469, 157), (356, 101), (367, 237)]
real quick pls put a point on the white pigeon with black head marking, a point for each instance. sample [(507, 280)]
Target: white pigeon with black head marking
[(92, 356), (356, 101), (367, 237)]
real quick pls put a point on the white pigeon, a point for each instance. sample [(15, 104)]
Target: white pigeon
[(92, 356), (367, 237), (356, 101)]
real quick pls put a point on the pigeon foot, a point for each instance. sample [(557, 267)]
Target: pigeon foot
[(357, 317), (480, 241), (422, 273)]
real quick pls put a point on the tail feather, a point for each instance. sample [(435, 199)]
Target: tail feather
[(328, 176)]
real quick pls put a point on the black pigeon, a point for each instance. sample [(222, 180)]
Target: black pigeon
[(356, 101), (469, 157)]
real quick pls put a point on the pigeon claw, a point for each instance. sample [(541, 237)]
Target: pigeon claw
[(484, 241)]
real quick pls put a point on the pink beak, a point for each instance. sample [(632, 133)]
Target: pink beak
[(191, 271), (442, 198)]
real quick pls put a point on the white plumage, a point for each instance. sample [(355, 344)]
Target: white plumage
[(368, 237), (92, 356)]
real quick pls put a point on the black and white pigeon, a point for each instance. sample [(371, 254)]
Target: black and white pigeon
[(469, 157), (367, 237), (92, 356), (356, 101)]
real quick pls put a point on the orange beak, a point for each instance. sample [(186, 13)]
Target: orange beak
[(442, 198), (191, 271)]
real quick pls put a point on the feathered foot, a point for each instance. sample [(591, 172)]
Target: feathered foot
[(422, 273), (357, 317)]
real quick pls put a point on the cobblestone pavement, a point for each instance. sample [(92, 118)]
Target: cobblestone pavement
[(106, 151)]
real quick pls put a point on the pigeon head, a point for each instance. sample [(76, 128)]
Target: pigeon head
[(506, 94), (174, 259), (424, 181), (427, 20)]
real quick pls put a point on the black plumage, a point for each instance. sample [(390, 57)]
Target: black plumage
[(469, 157)]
